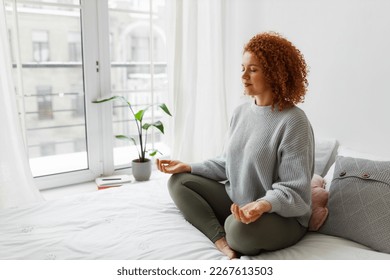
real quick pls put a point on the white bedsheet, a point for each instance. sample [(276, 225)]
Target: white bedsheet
[(135, 221)]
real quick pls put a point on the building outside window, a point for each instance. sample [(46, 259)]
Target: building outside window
[(48, 148), (74, 43), (138, 68), (40, 45), (62, 63), (45, 103)]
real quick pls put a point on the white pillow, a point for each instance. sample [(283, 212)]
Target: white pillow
[(329, 176), (325, 155), (348, 152)]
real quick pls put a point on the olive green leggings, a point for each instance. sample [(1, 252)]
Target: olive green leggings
[(206, 205)]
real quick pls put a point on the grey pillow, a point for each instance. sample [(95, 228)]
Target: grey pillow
[(359, 202)]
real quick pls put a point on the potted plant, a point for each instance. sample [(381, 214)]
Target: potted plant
[(142, 166)]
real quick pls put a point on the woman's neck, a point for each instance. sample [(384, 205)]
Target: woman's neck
[(263, 100)]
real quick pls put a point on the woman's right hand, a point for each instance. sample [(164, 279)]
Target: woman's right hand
[(172, 166)]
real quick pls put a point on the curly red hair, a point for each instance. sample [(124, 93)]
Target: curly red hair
[(283, 65)]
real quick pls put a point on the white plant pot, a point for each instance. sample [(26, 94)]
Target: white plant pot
[(141, 170)]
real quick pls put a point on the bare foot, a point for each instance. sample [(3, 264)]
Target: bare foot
[(223, 246)]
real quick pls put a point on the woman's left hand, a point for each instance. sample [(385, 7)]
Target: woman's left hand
[(250, 212)]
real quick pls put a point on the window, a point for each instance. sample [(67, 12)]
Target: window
[(74, 43), (138, 68), (45, 104), (67, 53), (40, 45)]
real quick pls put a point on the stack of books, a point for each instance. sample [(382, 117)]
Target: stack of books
[(112, 181)]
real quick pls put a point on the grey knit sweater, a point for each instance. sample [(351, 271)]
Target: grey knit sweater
[(268, 155)]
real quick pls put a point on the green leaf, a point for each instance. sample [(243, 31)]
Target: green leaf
[(112, 98), (146, 126), (159, 126), (124, 137), (139, 115), (104, 100), (165, 108), (153, 152)]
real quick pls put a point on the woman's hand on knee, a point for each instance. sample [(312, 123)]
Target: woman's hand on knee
[(250, 212), (172, 166)]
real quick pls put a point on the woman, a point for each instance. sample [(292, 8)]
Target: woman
[(268, 161)]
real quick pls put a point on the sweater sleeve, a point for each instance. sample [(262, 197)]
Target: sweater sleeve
[(290, 195), (214, 169)]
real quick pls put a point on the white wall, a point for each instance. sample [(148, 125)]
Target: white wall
[(346, 44)]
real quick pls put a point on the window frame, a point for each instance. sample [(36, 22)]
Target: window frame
[(95, 38), (95, 80)]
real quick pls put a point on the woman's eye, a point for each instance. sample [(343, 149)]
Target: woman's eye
[(252, 70)]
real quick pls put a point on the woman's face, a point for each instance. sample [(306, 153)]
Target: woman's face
[(254, 81)]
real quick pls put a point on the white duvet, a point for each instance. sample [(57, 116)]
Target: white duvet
[(135, 221)]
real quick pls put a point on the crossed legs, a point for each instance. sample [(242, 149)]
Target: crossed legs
[(206, 205)]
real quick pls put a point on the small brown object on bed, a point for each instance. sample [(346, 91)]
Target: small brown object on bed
[(319, 201)]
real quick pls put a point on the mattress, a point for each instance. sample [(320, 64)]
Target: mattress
[(132, 222)]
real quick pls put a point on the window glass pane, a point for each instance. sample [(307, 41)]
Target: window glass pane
[(51, 83), (134, 5), (158, 6), (130, 60), (138, 70), (66, 2)]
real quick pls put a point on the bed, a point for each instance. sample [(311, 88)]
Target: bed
[(136, 221)]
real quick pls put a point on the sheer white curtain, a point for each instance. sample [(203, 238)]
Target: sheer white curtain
[(16, 183), (196, 73)]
